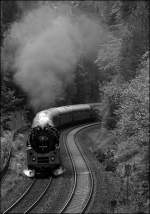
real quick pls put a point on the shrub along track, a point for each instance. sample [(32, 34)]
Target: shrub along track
[(3, 172), (5, 169)]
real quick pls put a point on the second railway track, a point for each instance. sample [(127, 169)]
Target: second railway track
[(31, 197), (83, 187), (79, 197)]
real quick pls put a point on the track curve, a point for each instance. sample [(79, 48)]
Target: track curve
[(82, 190), (31, 197)]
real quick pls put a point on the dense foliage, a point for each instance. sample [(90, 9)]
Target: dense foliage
[(12, 97), (124, 90), (120, 59), (134, 108)]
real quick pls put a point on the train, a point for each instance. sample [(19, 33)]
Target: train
[(43, 149)]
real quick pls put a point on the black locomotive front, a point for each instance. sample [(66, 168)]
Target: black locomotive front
[(43, 148), (44, 140)]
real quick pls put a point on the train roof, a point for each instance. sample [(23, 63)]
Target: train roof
[(46, 116), (69, 108)]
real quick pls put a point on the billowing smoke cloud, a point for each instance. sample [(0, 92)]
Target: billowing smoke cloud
[(46, 47)]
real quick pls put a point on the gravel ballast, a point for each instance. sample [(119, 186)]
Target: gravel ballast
[(107, 185)]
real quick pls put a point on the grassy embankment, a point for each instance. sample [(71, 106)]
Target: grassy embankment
[(114, 157), (13, 139)]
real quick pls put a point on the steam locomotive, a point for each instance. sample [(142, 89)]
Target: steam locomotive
[(43, 151)]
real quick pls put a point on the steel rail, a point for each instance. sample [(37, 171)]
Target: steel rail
[(39, 198), (20, 198), (25, 194), (87, 163), (88, 200), (72, 204), (74, 173)]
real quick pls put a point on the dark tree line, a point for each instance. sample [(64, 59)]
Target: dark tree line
[(12, 97), (117, 61)]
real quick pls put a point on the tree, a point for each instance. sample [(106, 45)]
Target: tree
[(86, 82), (9, 13), (134, 109), (136, 40)]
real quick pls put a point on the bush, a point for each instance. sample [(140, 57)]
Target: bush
[(111, 165), (100, 155), (133, 125), (6, 139)]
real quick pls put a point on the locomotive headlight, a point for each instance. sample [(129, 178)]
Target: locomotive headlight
[(33, 158), (57, 146), (52, 158)]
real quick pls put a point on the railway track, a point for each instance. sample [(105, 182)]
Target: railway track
[(31, 197), (81, 194)]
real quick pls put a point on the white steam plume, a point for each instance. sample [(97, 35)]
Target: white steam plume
[(46, 47)]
